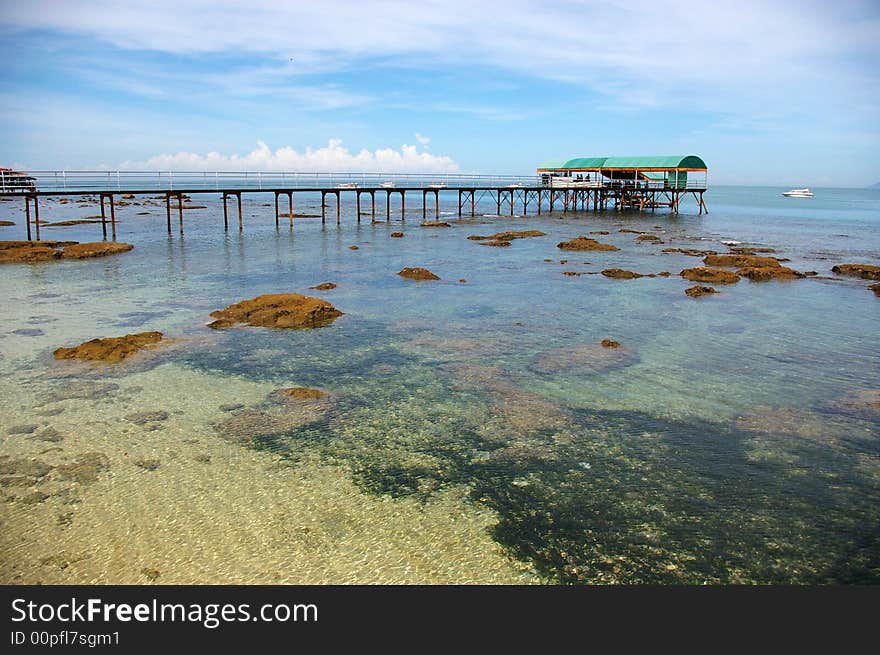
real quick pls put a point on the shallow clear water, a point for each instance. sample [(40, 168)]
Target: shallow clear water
[(475, 431)]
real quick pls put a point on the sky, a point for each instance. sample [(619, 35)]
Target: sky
[(775, 93)]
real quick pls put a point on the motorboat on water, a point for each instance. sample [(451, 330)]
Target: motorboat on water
[(798, 193)]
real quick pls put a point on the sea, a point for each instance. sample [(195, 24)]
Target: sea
[(475, 430)]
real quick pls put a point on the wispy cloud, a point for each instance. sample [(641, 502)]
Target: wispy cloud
[(331, 158)]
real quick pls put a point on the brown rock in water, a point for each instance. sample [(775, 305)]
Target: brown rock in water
[(97, 249), (85, 468), (495, 244), (875, 288), (325, 286), (600, 232), (691, 252), (610, 343), (698, 291), (764, 273), (128, 196), (572, 273), (354, 248), (740, 261), (417, 273), (624, 230), (477, 237), (435, 224), (510, 236), (111, 349), (277, 310), (746, 250), (28, 254), (584, 243), (711, 275), (649, 237), (864, 271), (396, 235), (620, 274), (7, 223)]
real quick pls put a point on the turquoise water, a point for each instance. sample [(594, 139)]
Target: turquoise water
[(732, 438)]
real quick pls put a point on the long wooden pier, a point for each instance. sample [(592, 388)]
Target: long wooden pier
[(538, 197)]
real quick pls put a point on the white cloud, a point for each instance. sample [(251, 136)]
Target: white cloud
[(331, 158), (424, 140)]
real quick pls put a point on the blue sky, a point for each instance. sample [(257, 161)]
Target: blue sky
[(766, 92)]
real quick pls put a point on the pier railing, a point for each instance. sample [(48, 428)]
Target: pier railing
[(93, 181)]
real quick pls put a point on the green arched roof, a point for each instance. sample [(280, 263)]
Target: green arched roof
[(669, 161)]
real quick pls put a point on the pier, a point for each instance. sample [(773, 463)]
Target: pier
[(579, 185)]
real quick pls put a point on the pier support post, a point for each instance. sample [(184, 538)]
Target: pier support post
[(473, 202), (373, 205), (539, 201), (437, 205), (387, 206), (225, 212), (167, 211), (358, 194), (276, 209), (323, 207), (27, 215), (459, 203), (113, 217), (290, 206), (240, 219), (103, 216), (402, 206), (338, 209), (37, 216), (179, 210), (424, 202)]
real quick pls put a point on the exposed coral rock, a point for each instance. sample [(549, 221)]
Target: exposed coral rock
[(111, 349), (417, 273), (698, 291), (85, 468), (600, 232), (354, 248), (28, 254), (585, 243), (97, 249), (875, 288), (762, 274), (572, 273), (7, 223), (299, 393), (435, 224), (749, 250), (147, 464), (278, 310), (864, 271), (740, 261), (711, 275), (864, 403), (397, 235), (325, 286), (495, 244), (627, 231), (649, 237), (610, 343), (621, 274), (142, 418), (691, 252)]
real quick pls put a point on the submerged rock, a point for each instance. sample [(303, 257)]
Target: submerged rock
[(85, 468), (621, 274), (610, 343), (435, 224), (142, 418), (495, 244), (397, 235), (712, 275), (417, 273), (325, 286), (698, 291), (750, 250), (649, 237), (97, 249), (277, 310), (691, 252), (298, 393), (28, 254), (864, 271), (7, 223), (875, 288), (585, 243), (864, 404), (591, 358), (509, 236), (111, 349)]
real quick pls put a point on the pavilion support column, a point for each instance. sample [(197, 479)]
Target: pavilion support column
[(240, 217), (276, 209), (387, 206), (167, 210), (358, 195), (473, 202), (338, 208), (112, 218), (225, 212), (290, 205), (459, 203), (437, 205), (498, 209), (37, 216), (179, 210), (539, 202), (424, 203), (323, 207), (373, 206), (402, 206)]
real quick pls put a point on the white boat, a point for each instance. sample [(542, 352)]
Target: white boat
[(387, 185), (799, 193), (347, 185), (437, 185)]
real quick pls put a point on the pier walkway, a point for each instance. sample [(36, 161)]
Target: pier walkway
[(537, 193)]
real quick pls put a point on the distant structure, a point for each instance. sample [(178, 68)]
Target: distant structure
[(11, 180), (631, 182)]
